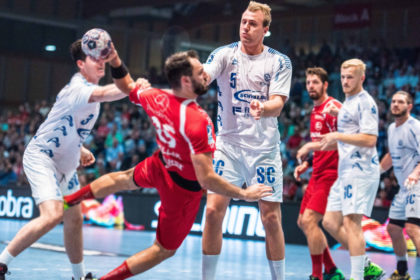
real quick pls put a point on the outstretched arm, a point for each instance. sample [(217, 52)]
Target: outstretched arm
[(208, 179)]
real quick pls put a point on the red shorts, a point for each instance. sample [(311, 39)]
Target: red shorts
[(178, 207), (316, 194)]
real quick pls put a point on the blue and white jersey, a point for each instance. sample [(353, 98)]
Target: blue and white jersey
[(68, 124), (404, 148), (359, 114), (240, 79)]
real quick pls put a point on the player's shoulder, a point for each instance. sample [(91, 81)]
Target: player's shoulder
[(223, 50), (413, 123), (333, 101), (280, 57)]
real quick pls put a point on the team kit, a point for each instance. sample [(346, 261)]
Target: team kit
[(253, 86)]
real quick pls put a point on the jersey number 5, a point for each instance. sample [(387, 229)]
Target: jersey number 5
[(164, 132)]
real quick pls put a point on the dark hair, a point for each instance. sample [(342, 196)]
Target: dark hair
[(408, 96), (319, 71), (76, 51), (178, 65)]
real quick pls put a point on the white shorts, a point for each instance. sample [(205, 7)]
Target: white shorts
[(46, 182), (239, 166), (406, 204), (353, 194)]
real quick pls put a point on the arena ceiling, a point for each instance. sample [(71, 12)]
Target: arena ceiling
[(189, 13)]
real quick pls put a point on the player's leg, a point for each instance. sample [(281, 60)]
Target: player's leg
[(413, 216), (73, 239), (229, 167), (103, 186), (356, 243), (274, 237), (395, 228), (413, 230), (140, 262), (212, 234), (41, 175)]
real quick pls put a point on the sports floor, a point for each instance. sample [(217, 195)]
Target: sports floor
[(107, 248)]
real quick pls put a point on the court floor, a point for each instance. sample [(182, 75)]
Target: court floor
[(107, 248)]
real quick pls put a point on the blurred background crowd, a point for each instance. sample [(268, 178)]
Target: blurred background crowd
[(123, 135)]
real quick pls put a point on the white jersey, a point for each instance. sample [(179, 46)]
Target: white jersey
[(240, 79), (404, 148), (359, 114), (67, 125)]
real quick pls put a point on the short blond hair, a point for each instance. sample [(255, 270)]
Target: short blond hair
[(264, 8), (355, 62)]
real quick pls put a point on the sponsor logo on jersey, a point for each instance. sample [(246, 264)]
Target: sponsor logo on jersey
[(373, 110), (162, 101), (247, 95), (318, 125), (267, 77), (234, 61), (319, 117)]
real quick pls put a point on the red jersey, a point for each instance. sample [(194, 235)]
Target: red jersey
[(323, 124), (182, 128)]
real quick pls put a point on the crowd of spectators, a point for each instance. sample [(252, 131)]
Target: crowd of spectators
[(124, 136)]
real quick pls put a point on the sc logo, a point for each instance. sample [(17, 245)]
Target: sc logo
[(266, 173)]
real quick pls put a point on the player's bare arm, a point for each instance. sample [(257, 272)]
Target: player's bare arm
[(386, 163), (270, 108), (208, 179), (413, 178), (359, 139)]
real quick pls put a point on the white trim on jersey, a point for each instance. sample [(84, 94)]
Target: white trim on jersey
[(182, 120)]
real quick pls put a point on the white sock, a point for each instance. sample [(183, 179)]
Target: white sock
[(277, 269), (208, 266), (78, 270), (6, 257), (402, 258), (357, 267)]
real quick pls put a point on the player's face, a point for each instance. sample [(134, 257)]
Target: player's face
[(315, 87), (92, 70), (251, 30), (399, 106), (199, 77), (351, 80)]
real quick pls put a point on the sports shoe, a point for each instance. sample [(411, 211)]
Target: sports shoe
[(397, 276), (334, 274), (88, 276), (373, 272), (3, 271), (313, 277)]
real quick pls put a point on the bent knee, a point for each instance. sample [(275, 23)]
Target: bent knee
[(412, 230), (214, 214)]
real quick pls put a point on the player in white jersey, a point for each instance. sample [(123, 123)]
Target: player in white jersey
[(354, 192), (52, 156), (404, 157), (253, 85)]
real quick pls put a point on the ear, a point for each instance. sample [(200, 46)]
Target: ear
[(266, 29), (80, 63), (185, 81), (325, 86)]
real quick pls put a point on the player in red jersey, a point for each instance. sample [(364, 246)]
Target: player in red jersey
[(324, 173), (179, 169)]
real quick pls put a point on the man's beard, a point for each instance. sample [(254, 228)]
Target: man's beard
[(316, 96), (398, 115), (199, 89)]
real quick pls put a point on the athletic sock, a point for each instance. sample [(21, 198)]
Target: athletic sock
[(120, 273), (357, 267), (78, 270), (208, 266), (317, 266), (402, 266), (277, 269), (77, 197), (328, 261), (6, 257)]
